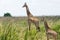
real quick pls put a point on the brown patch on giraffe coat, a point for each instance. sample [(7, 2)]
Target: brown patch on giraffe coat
[(33, 19)]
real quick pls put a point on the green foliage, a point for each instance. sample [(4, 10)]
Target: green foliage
[(9, 32), (26, 35), (18, 30), (7, 15)]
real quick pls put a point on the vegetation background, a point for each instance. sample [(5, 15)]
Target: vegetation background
[(16, 28)]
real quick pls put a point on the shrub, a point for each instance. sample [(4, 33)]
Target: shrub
[(7, 15)]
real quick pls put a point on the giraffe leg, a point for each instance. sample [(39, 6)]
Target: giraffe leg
[(55, 37), (29, 23), (37, 26), (47, 36)]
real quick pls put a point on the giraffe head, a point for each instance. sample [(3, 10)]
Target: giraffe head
[(25, 5)]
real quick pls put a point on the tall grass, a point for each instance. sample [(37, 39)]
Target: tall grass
[(9, 32), (18, 30)]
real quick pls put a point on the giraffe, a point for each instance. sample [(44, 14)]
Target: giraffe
[(31, 18), (49, 31)]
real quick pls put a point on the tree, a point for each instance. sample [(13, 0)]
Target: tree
[(7, 15)]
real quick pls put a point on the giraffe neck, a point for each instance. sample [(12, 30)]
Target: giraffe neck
[(28, 12), (46, 25)]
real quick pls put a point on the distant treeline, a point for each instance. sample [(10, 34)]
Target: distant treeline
[(25, 17)]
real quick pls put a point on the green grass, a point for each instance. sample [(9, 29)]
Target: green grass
[(18, 30)]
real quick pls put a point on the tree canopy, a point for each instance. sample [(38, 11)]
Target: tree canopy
[(7, 15)]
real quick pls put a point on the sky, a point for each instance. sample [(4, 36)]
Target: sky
[(36, 7)]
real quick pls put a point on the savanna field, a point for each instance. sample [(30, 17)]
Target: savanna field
[(16, 28)]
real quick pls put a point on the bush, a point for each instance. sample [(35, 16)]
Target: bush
[(7, 15)]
